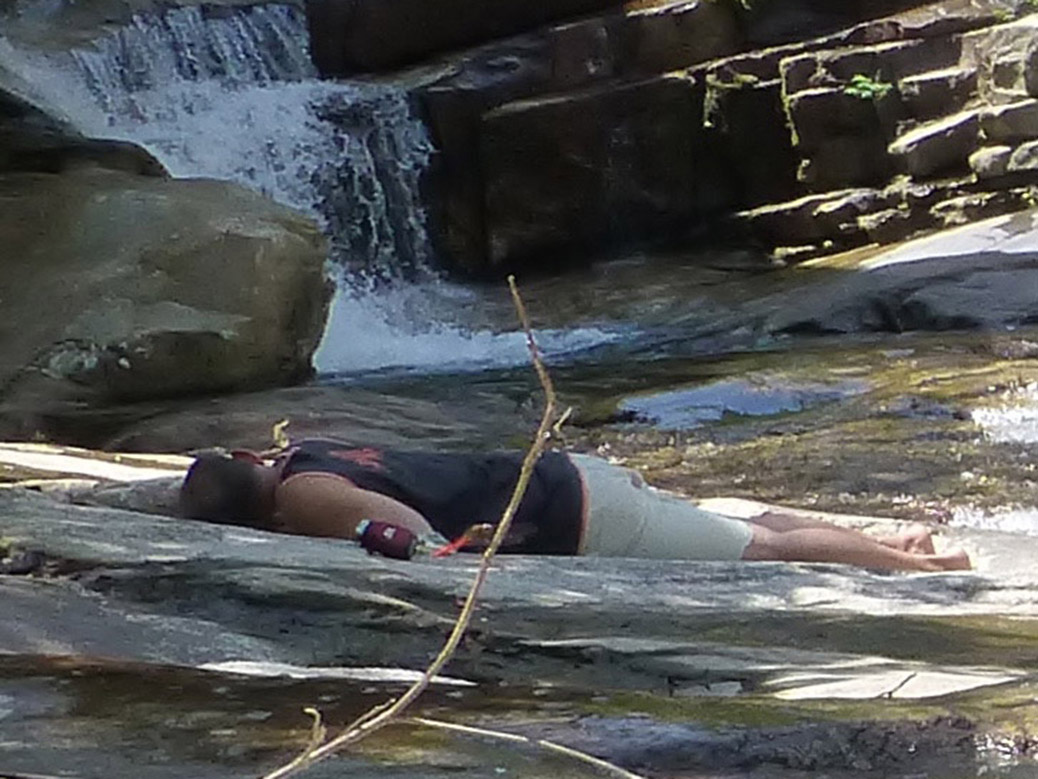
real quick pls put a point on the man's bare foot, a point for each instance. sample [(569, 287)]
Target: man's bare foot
[(953, 560), (916, 539)]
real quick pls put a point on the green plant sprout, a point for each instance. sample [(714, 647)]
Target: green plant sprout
[(867, 87)]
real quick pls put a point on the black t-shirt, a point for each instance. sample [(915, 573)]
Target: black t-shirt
[(455, 491)]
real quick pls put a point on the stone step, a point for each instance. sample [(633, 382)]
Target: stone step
[(846, 160), (937, 92), (1024, 158), (1006, 59), (817, 115), (940, 146), (949, 17), (884, 63), (1010, 122), (829, 222), (990, 162), (641, 42), (825, 221), (622, 158)]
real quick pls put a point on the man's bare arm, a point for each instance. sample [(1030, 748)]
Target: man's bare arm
[(323, 504)]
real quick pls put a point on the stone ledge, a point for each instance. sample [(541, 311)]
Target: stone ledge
[(939, 146)]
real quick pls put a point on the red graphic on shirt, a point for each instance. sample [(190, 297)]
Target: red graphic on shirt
[(366, 458)]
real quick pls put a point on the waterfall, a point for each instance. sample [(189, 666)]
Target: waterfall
[(231, 93)]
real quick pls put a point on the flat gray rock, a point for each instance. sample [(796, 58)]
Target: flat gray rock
[(982, 276), (156, 589), (247, 627)]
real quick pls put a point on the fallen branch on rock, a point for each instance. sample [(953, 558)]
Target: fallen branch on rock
[(383, 715)]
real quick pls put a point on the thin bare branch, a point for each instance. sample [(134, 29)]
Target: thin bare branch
[(600, 764), (372, 721)]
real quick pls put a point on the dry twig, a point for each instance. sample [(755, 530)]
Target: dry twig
[(383, 715)]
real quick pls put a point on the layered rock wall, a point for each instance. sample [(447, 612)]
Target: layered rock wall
[(545, 155)]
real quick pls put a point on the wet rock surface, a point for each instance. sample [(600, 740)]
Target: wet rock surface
[(722, 660)]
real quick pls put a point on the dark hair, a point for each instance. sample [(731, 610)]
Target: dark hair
[(221, 489)]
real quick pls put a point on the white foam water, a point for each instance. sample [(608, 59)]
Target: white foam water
[(383, 330), (1021, 520), (1015, 420)]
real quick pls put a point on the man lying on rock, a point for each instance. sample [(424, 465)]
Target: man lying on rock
[(574, 505)]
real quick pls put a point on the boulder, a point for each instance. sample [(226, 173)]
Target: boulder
[(121, 286), (589, 169), (33, 140)]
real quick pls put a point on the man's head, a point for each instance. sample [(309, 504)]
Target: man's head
[(225, 489)]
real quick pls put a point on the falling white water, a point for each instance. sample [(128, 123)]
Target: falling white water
[(432, 346), (235, 97), (232, 94)]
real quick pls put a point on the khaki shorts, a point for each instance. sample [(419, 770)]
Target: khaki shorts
[(628, 518)]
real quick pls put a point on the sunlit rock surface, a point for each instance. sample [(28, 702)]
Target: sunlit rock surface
[(147, 589), (983, 275)]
